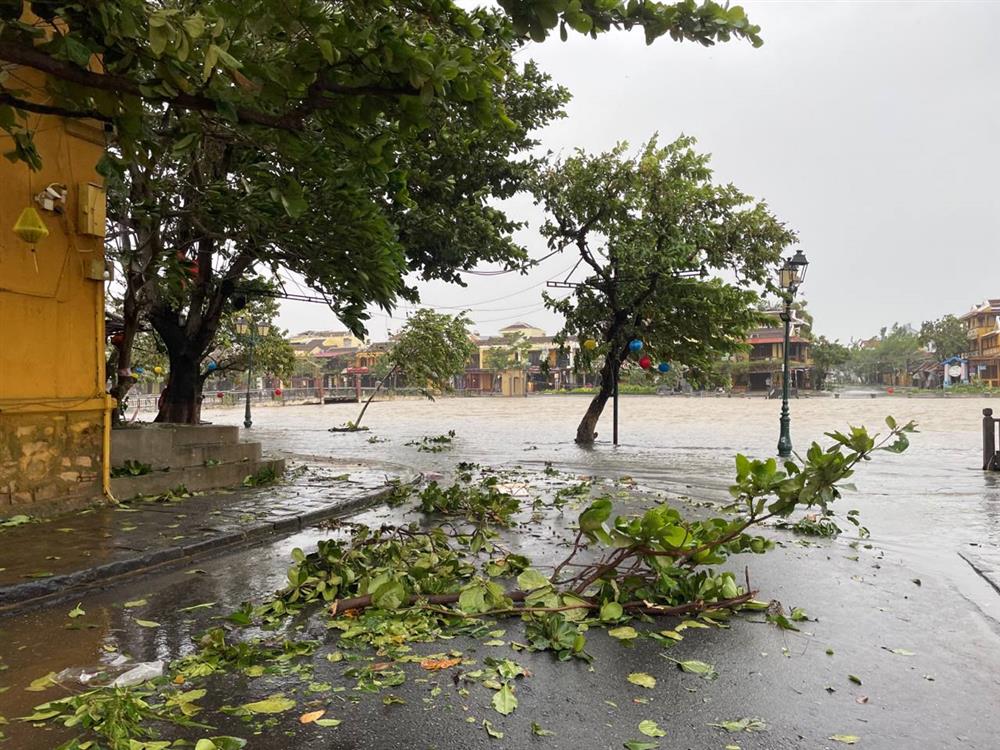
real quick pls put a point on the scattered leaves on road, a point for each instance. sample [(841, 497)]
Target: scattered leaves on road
[(77, 611), (276, 704), (147, 623), (310, 716), (854, 678), (504, 700), (847, 739), (437, 664), (624, 633), (538, 731)]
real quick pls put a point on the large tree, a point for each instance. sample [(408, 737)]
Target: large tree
[(430, 350), (650, 230), (349, 142), (947, 335)]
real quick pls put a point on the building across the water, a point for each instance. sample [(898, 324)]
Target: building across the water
[(760, 367), (982, 324)]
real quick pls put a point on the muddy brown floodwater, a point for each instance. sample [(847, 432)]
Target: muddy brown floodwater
[(930, 504)]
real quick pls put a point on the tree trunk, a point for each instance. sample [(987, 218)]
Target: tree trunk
[(378, 388), (585, 433), (181, 402)]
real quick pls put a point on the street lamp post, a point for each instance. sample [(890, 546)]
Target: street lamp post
[(792, 274), (252, 332)]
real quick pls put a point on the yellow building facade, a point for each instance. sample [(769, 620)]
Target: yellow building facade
[(54, 410)]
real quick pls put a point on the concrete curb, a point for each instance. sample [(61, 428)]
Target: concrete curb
[(46, 590)]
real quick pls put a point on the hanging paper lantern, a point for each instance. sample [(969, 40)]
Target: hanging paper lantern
[(220, 394), (590, 344), (30, 227), (635, 345), (140, 369), (277, 392), (663, 367), (212, 366), (158, 370), (645, 363)]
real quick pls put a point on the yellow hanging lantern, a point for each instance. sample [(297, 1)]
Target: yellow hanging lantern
[(30, 227), (590, 344)]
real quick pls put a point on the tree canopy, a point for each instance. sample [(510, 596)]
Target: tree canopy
[(650, 230), (947, 335), (350, 143)]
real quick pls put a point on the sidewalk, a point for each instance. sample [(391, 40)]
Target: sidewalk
[(70, 552)]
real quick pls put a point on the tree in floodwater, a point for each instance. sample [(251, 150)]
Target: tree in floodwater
[(430, 350), (650, 229)]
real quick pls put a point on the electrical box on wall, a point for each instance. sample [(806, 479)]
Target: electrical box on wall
[(92, 210)]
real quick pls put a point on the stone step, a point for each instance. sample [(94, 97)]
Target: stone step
[(203, 434), (192, 478), (225, 453)]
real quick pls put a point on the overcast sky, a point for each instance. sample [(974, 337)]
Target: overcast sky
[(871, 128)]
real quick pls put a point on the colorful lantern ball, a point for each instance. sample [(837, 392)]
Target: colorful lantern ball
[(663, 367), (277, 391), (635, 345), (590, 344), (220, 394), (140, 369), (158, 370), (645, 363), (212, 366)]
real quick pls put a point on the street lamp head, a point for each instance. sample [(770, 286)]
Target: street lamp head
[(242, 327), (793, 273), (799, 263), (263, 329)]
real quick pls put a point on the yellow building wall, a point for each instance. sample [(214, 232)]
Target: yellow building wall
[(54, 412)]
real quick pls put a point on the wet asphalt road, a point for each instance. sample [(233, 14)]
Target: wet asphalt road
[(865, 602)]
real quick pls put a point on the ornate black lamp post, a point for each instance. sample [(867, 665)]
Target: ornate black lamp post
[(252, 332), (792, 274)]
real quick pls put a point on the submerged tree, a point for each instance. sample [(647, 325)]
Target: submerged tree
[(430, 350), (650, 230), (947, 335)]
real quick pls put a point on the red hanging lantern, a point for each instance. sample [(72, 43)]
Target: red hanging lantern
[(277, 392), (220, 394), (645, 363)]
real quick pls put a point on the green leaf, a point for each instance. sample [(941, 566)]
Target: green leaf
[(741, 725), (220, 743), (693, 666), (390, 595), (328, 722), (193, 607), (847, 739), (538, 731), (642, 680), (623, 633), (641, 745), (611, 611), (651, 729), (77, 611), (147, 623), (854, 678), (42, 683), (531, 579), (135, 603), (504, 701), (896, 651), (594, 516), (491, 730), (276, 704)]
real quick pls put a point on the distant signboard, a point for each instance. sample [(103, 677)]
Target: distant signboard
[(955, 371)]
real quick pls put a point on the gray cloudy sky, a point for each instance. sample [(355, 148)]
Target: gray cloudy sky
[(871, 128)]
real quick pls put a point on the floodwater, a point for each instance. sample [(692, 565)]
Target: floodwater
[(929, 504), (930, 511)]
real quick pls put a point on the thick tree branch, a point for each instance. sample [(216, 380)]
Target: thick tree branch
[(50, 109)]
